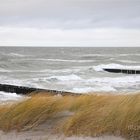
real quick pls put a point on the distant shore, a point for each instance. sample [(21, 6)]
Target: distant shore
[(109, 117)]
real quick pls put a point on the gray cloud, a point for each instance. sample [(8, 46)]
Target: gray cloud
[(70, 13), (70, 22)]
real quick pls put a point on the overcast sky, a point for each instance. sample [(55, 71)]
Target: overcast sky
[(70, 23)]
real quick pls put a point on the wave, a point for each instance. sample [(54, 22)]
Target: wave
[(4, 97), (66, 60), (97, 55), (57, 60), (129, 61), (4, 70), (71, 77), (110, 56), (17, 55), (135, 54), (116, 81), (43, 71), (75, 83), (93, 89), (114, 66)]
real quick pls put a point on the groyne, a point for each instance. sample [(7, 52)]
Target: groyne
[(126, 71), (27, 90)]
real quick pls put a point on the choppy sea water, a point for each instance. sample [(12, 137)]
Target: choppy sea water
[(69, 69)]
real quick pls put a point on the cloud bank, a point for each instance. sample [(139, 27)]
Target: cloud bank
[(70, 23)]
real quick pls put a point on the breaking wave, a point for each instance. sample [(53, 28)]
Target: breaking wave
[(4, 97), (71, 77)]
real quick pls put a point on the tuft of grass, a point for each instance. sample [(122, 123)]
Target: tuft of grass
[(31, 112), (101, 115), (93, 115)]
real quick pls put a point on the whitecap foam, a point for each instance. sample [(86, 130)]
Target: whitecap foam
[(5, 97), (93, 89), (116, 81), (4, 70), (134, 54), (82, 89), (66, 60), (110, 55), (16, 54), (71, 77), (98, 55), (129, 61), (108, 84), (58, 60)]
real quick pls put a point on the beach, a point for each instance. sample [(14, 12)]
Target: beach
[(84, 102), (94, 116), (69, 69)]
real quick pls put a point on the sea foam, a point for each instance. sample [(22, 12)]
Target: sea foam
[(5, 97)]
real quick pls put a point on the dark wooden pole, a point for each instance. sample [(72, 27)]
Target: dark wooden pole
[(27, 90)]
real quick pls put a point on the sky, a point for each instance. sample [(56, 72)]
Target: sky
[(88, 23)]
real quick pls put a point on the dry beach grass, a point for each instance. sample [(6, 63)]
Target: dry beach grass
[(87, 115)]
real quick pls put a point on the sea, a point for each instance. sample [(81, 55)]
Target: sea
[(74, 69)]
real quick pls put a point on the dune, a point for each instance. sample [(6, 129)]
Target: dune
[(94, 116)]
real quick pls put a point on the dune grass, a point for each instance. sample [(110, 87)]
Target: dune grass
[(117, 115), (93, 115)]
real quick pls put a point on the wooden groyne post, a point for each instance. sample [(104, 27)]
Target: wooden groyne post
[(27, 90), (126, 71)]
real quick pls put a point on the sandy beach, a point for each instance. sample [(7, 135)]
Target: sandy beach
[(38, 135)]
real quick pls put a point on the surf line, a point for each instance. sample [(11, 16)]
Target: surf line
[(126, 71), (28, 90)]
